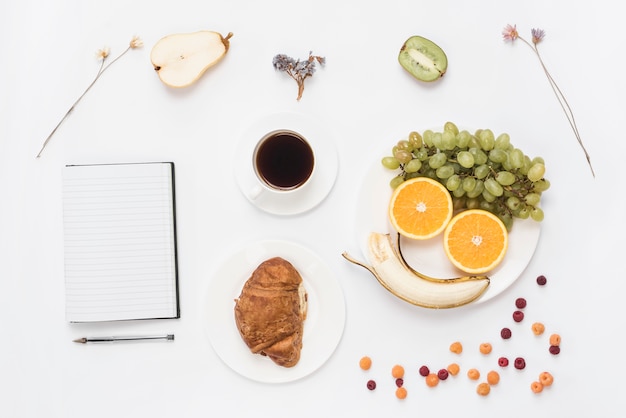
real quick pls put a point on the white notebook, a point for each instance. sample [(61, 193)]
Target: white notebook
[(120, 242)]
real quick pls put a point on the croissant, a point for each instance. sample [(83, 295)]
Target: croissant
[(271, 310)]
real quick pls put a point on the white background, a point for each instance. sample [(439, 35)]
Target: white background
[(362, 94)]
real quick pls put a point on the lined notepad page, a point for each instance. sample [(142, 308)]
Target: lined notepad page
[(120, 242)]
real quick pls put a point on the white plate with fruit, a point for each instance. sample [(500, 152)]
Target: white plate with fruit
[(428, 256)]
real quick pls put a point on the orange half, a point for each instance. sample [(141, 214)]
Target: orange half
[(420, 208), (475, 241)]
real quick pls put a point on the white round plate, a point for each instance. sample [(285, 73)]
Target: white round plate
[(326, 163), (428, 256), (323, 326)]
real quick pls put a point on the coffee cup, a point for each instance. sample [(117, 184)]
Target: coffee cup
[(283, 161)]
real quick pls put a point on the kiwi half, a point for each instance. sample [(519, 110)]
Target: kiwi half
[(423, 59)]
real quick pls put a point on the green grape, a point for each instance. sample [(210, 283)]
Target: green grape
[(437, 160), (426, 171), (506, 165), (497, 155), (532, 199), (478, 189), (493, 187), (427, 136), (458, 192), (513, 203), (523, 213), (465, 159), (487, 139), (481, 171), (488, 197), (536, 172), (538, 160), (503, 141), (507, 220), (404, 144), (415, 139), (445, 171), (403, 156), (453, 182), (473, 142), (462, 139), (422, 154), (536, 214), (525, 166), (516, 158), (505, 178), (488, 206), (438, 140), (413, 166), (448, 140), (541, 185), (450, 127), (391, 163), (469, 183), (472, 203), (396, 181), (479, 155)]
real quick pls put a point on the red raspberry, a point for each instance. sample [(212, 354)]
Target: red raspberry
[(442, 374), (541, 280), (399, 382), (424, 371), (503, 362), (519, 363), (371, 385), (518, 316), (520, 303)]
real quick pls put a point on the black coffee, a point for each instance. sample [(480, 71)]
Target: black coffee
[(284, 160)]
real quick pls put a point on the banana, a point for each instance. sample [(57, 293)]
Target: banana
[(394, 274)]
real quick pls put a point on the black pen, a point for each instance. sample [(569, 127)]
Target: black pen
[(86, 340)]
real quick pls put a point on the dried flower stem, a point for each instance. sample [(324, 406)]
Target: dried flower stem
[(510, 33), (562, 101), (102, 54)]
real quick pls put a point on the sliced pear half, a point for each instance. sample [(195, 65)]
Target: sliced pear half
[(180, 59)]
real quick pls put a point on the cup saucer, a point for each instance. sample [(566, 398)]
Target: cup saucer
[(326, 164)]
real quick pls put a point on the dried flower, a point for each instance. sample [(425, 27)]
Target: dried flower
[(510, 34), (101, 54), (538, 35), (297, 69), (136, 42)]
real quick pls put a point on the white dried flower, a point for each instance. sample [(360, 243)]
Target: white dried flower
[(136, 42), (102, 53)]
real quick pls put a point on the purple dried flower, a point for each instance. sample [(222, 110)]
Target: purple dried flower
[(538, 35), (282, 62), (299, 70)]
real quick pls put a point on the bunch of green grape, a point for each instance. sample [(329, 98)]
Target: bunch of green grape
[(480, 170)]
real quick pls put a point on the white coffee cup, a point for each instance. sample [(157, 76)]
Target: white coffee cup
[(283, 161)]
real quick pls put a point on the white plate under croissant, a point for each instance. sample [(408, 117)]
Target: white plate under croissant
[(323, 326)]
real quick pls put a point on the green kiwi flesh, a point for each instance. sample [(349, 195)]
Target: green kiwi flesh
[(423, 59)]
